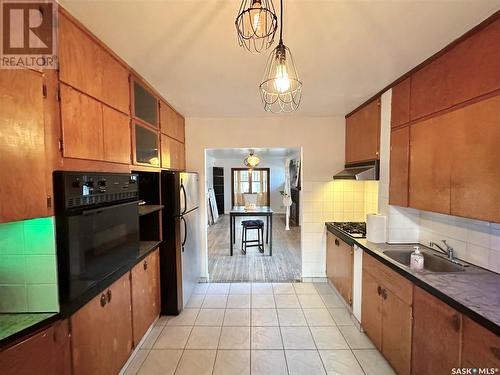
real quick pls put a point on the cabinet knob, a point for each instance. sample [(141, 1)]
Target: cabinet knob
[(103, 300), (456, 322), (337, 242), (379, 290), (145, 265), (384, 294), (109, 295)]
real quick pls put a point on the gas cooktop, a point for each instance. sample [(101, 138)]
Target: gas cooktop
[(353, 229)]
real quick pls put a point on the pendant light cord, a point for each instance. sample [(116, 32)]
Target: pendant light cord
[(281, 22)]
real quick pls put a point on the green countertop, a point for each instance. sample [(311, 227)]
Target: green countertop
[(10, 324)]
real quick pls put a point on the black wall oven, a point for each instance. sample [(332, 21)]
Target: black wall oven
[(97, 232)]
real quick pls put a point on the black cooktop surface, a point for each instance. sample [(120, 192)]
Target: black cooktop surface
[(353, 229)]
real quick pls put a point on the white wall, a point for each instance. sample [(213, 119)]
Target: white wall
[(475, 241), (322, 142), (276, 183)]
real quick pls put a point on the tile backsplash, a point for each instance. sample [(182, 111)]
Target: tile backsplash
[(28, 268)]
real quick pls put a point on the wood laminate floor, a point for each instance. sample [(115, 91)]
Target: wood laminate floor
[(283, 266)]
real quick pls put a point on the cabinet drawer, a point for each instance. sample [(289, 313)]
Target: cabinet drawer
[(391, 280)]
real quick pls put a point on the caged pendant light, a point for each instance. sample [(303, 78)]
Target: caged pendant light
[(281, 88), (256, 24)]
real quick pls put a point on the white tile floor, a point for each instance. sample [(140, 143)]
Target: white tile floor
[(259, 329)]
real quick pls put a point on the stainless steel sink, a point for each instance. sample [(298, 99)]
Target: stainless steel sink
[(432, 262)]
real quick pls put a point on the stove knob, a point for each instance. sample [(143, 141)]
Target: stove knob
[(102, 183), (76, 183)]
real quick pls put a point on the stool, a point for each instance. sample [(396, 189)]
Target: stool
[(249, 225)]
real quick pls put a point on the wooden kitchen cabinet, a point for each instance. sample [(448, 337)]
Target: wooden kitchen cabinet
[(145, 294), (102, 332), (45, 352), (468, 70), (475, 171), (431, 158), (85, 65), (82, 130), (362, 134), (386, 312), (22, 146), (172, 153), (171, 123), (339, 266), (399, 166), (400, 107), (116, 136), (480, 347), (434, 318)]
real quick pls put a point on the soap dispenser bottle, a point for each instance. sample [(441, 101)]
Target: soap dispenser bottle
[(416, 259)]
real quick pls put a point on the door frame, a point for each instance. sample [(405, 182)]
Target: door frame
[(253, 169)]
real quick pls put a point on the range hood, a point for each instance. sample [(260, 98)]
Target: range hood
[(359, 171)]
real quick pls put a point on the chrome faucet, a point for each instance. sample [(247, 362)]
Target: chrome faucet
[(448, 251)]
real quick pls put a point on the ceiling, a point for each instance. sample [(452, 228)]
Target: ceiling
[(345, 50), (262, 153)]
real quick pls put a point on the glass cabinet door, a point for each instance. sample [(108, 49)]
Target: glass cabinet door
[(146, 146), (145, 105)]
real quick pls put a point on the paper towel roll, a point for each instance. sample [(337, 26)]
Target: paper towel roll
[(375, 228)]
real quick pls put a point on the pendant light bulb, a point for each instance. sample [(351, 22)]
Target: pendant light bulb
[(255, 17), (281, 80)]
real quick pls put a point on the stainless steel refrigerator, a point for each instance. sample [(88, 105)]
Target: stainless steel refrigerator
[(180, 249)]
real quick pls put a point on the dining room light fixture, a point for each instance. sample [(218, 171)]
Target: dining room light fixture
[(281, 88), (251, 161), (256, 24)]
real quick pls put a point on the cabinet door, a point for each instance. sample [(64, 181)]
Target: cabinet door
[(396, 332), (330, 257), (476, 160), (172, 153), (102, 335), (145, 292), (115, 89), (116, 134), (172, 124), (341, 261), (22, 146), (399, 163), (363, 134), (480, 347), (430, 165), (35, 355), (400, 107), (433, 318), (470, 69), (80, 62), (371, 309), (82, 129)]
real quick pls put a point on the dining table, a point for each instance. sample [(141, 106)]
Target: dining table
[(241, 211)]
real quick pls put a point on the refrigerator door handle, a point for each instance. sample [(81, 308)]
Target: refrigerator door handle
[(185, 233), (183, 189)]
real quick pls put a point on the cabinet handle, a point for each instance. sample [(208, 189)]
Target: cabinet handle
[(456, 322), (496, 352), (145, 265), (379, 290), (337, 242), (109, 295), (384, 294), (103, 300)]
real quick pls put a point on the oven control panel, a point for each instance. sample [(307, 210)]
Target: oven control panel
[(77, 189)]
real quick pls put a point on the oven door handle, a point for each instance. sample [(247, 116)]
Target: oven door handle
[(96, 211)]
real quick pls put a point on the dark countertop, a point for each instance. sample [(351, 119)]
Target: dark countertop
[(14, 326), (475, 293)]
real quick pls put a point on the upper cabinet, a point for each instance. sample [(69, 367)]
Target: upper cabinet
[(145, 104), (399, 166), (362, 133), (469, 69), (22, 146), (146, 146), (400, 108), (172, 123), (85, 65)]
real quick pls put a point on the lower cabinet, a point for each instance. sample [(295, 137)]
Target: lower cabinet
[(386, 312), (46, 352), (145, 294), (436, 335), (480, 347), (102, 331), (339, 265)]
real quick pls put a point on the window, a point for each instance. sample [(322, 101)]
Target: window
[(255, 181)]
